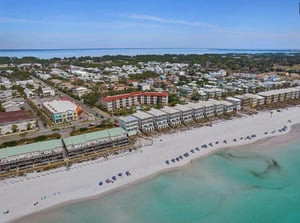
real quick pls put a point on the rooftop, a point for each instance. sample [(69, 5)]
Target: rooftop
[(142, 115), (58, 106), (156, 112), (194, 105), (14, 116), (83, 138), (182, 108), (169, 110), (128, 118), (30, 148)]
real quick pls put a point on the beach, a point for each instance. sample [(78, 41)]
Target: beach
[(35, 192)]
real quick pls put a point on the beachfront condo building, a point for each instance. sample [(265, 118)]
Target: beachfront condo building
[(198, 110), (186, 113), (160, 118), (46, 152), (135, 98), (145, 121), (209, 108), (60, 111), (173, 116), (227, 106), (236, 103), (13, 158), (130, 124), (95, 141), (218, 106)]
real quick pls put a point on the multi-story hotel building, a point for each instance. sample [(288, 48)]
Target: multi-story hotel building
[(134, 98)]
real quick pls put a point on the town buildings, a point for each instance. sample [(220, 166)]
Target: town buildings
[(173, 116)]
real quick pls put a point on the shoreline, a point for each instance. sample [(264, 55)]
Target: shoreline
[(140, 164)]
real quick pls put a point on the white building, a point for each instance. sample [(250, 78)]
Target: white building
[(160, 118), (173, 116), (144, 87), (186, 113), (29, 93), (236, 103), (228, 106), (145, 121), (80, 91), (209, 108), (198, 110), (48, 91), (219, 106), (129, 124)]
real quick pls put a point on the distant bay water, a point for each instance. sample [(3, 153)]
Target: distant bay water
[(94, 52), (257, 183)]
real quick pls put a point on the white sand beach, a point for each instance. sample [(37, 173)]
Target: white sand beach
[(39, 191)]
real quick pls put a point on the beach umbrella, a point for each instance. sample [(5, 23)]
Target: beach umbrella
[(234, 140), (192, 151), (120, 174), (173, 160), (197, 149), (100, 183), (217, 142), (180, 157), (114, 178), (167, 162)]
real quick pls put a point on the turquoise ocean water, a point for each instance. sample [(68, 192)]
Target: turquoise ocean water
[(94, 52), (250, 184)]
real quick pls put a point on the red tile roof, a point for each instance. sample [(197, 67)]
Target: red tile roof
[(14, 116), (133, 94)]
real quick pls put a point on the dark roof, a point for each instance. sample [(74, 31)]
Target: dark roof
[(14, 116)]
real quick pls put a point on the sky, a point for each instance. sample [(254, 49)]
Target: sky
[(63, 24)]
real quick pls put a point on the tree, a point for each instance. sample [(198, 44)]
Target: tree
[(14, 128), (28, 126), (195, 95)]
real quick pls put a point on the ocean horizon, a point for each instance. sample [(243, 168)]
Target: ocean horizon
[(97, 52), (252, 183)]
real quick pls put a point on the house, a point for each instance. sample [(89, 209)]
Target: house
[(29, 93), (48, 91), (144, 87), (145, 121), (80, 91), (129, 123)]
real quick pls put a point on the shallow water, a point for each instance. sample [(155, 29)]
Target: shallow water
[(250, 184)]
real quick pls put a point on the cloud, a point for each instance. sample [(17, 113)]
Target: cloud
[(168, 21)]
